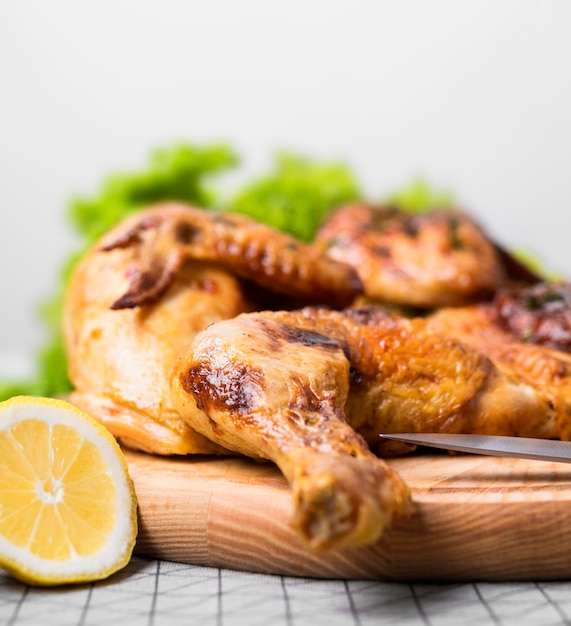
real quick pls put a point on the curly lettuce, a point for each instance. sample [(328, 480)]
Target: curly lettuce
[(182, 173)]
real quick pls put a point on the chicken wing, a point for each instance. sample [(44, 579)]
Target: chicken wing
[(440, 258), (295, 387), (137, 299), (165, 236)]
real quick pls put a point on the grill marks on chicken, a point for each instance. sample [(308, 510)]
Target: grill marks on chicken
[(310, 389), (167, 235), (441, 258)]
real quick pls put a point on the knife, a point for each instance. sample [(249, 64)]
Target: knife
[(491, 445)]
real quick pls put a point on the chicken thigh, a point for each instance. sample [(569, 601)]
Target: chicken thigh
[(295, 387)]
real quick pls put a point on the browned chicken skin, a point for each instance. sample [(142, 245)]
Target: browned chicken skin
[(137, 299), (440, 258), (294, 387), (407, 378), (120, 360)]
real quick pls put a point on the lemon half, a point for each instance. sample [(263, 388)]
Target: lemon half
[(68, 510)]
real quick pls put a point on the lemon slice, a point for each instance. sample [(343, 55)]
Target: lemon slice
[(68, 510)]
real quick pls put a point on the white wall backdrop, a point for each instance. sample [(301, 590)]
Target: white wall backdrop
[(474, 96)]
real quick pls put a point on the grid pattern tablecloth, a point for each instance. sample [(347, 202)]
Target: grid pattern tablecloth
[(155, 593)]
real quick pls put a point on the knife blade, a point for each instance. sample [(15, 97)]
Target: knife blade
[(491, 445)]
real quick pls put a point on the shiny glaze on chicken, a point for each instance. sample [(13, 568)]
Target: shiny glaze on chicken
[(296, 388), (440, 258)]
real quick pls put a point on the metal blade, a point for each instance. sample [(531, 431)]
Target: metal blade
[(492, 445)]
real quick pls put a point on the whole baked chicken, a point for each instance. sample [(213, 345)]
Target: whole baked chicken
[(166, 349), (312, 389), (137, 299)]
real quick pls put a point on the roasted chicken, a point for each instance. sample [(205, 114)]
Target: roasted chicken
[(296, 387), (190, 332), (137, 299)]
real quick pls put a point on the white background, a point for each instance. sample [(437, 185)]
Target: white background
[(474, 96)]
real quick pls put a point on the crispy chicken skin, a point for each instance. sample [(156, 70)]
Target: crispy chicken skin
[(165, 350), (541, 368), (295, 387), (440, 258), (137, 299)]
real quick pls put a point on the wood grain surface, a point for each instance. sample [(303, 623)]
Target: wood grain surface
[(475, 519)]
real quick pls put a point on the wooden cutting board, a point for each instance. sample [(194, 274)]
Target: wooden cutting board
[(476, 518)]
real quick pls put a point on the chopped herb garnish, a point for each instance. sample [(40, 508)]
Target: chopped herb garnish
[(553, 296), (532, 304), (454, 233), (527, 335)]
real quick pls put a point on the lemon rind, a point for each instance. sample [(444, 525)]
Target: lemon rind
[(119, 544)]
